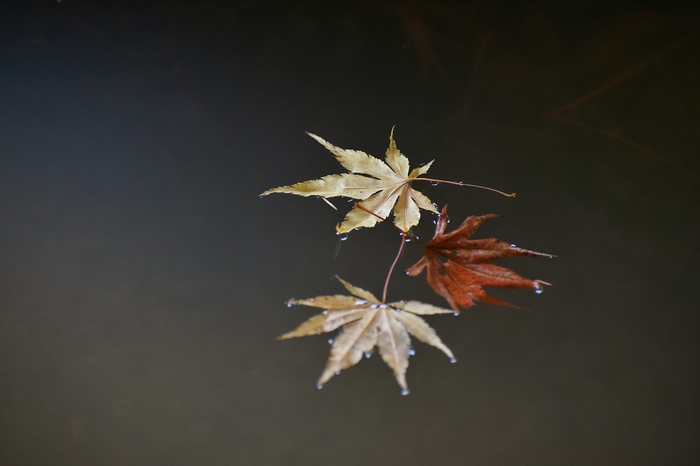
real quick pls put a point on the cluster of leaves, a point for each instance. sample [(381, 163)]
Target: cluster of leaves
[(457, 267)]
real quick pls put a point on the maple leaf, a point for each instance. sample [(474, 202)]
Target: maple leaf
[(381, 187), (466, 270), (367, 323)]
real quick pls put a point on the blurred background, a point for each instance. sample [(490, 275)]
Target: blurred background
[(142, 280)]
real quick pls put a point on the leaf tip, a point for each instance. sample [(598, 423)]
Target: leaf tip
[(318, 139), (538, 289), (328, 202)]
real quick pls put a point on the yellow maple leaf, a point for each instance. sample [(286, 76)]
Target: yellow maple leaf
[(381, 187), (368, 323)]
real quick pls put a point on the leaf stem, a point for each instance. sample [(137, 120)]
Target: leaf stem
[(393, 265), (459, 183), (404, 235)]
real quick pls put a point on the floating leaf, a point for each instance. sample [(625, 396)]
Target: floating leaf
[(381, 186), (367, 323), (466, 270)]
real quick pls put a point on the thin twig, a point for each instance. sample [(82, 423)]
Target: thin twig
[(624, 76), (474, 73), (626, 141)]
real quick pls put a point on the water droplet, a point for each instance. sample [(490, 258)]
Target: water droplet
[(289, 304), (408, 240), (325, 311), (351, 200), (404, 392), (360, 302), (337, 372), (406, 272), (330, 341), (382, 306), (344, 238), (453, 360), (367, 355), (513, 246), (412, 352), (461, 183), (415, 237), (455, 314), (373, 306), (319, 386), (434, 222), (538, 290)]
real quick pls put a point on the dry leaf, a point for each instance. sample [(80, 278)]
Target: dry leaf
[(466, 270), (381, 186), (368, 323)]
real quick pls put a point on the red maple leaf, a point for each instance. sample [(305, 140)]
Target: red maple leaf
[(466, 269)]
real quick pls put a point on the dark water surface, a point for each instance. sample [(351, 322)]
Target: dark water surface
[(142, 280)]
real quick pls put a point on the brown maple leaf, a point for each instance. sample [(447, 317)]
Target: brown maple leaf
[(466, 270), (367, 323)]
